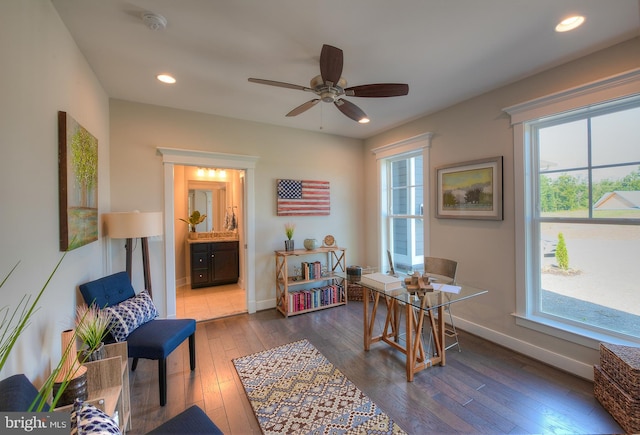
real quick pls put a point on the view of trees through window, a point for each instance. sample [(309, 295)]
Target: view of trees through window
[(588, 218), (571, 193)]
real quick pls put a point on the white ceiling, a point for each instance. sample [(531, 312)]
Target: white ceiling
[(445, 50)]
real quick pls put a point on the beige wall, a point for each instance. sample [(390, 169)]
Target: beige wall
[(42, 72), (475, 129), (137, 177)]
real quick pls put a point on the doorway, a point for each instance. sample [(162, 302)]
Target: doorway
[(172, 158), (216, 195)]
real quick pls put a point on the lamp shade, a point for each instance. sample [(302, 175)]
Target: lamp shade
[(131, 225)]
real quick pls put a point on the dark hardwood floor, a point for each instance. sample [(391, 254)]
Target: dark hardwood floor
[(483, 389)]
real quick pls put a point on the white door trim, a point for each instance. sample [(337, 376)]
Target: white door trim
[(174, 156)]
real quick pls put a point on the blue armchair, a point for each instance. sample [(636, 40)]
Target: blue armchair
[(155, 339), (17, 393)]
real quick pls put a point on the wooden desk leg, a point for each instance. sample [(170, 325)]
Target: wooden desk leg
[(392, 321), (437, 330), (441, 331), (367, 329), (369, 320), (411, 357)]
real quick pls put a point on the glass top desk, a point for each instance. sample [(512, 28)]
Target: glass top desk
[(415, 305)]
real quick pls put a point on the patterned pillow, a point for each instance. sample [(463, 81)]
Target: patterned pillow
[(131, 313), (87, 419)]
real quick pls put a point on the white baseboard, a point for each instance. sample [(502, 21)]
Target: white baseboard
[(562, 362)]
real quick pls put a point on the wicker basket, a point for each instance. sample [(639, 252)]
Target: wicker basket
[(619, 403), (622, 364), (355, 292)]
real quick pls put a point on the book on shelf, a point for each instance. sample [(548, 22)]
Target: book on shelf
[(381, 281), (311, 270), (301, 300)]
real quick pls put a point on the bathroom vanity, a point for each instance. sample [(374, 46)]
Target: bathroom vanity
[(214, 261)]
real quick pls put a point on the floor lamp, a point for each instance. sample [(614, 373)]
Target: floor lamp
[(133, 225)]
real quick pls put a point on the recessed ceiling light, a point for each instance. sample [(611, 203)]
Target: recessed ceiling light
[(570, 23), (166, 78), (363, 120)]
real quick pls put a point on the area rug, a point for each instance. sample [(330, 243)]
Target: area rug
[(294, 389)]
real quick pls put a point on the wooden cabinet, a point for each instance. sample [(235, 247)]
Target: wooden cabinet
[(310, 280), (108, 385), (214, 263)]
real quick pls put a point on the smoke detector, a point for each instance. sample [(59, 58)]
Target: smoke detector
[(154, 21)]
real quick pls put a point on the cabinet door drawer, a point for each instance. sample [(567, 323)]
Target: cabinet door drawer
[(199, 260), (225, 246), (200, 247), (200, 276)]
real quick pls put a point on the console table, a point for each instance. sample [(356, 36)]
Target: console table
[(415, 305), (108, 385)]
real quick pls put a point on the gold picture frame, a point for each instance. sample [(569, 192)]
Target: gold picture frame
[(470, 190)]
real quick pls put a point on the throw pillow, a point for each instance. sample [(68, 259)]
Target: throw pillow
[(131, 313), (87, 419)]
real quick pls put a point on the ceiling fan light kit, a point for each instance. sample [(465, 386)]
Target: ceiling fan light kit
[(330, 87)]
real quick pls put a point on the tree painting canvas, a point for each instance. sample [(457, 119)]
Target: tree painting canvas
[(78, 185), (470, 190)]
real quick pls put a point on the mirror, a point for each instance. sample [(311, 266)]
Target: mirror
[(210, 198)]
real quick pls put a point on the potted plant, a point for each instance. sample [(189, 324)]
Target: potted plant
[(289, 228), (92, 326), (194, 220), (13, 323)]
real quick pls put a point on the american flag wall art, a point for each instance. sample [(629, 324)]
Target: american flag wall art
[(303, 198)]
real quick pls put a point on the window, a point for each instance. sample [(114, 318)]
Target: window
[(586, 217), (405, 207), (579, 219), (403, 170)]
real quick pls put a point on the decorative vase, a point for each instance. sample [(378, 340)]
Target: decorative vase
[(71, 371), (288, 245), (98, 353), (193, 235), (75, 389), (310, 244)]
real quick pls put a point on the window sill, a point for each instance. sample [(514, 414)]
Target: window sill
[(582, 336)]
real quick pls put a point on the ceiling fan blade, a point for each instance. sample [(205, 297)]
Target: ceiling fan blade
[(331, 64), (280, 84), (303, 107), (378, 90), (351, 110)]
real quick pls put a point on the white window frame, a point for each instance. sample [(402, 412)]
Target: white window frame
[(609, 89), (390, 151), (410, 259)]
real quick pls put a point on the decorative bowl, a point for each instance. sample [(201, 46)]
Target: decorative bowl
[(310, 244)]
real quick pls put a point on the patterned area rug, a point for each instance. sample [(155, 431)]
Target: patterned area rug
[(294, 389)]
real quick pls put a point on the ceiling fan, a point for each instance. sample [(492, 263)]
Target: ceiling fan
[(329, 86)]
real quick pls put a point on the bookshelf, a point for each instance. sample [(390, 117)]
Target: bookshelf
[(315, 288)]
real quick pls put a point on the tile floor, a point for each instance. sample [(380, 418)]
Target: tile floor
[(210, 302)]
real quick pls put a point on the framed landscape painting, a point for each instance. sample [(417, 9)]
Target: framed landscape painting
[(78, 183), (470, 190)]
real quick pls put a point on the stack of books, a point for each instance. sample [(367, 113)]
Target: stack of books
[(381, 281), (315, 297), (311, 270)]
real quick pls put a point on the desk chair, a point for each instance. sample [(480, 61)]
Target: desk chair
[(445, 271), (149, 338)]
